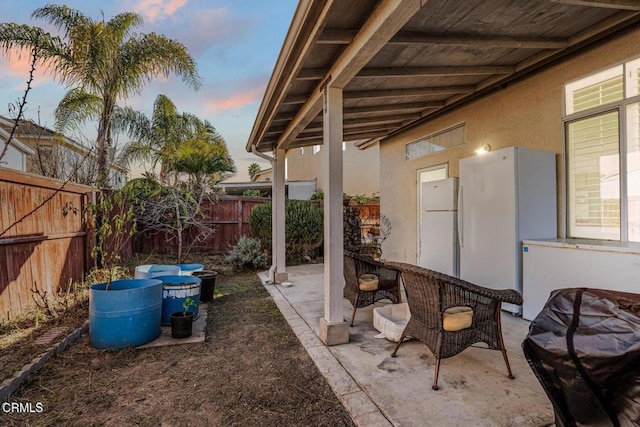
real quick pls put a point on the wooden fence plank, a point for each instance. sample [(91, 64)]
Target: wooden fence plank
[(45, 249)]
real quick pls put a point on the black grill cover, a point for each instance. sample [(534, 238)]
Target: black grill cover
[(584, 348)]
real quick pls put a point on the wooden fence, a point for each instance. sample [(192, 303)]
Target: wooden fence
[(44, 250), (228, 214)]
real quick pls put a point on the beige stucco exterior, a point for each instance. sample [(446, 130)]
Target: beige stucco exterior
[(361, 168), (527, 113)]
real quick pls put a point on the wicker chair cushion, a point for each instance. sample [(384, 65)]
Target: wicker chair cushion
[(368, 282), (457, 318)]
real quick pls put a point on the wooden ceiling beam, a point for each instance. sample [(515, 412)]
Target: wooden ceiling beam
[(382, 119), (385, 72), (307, 141), (350, 129), (385, 20), (283, 117), (413, 37), (369, 123), (401, 93), (610, 4), (393, 107), (312, 74), (329, 36), (295, 99)]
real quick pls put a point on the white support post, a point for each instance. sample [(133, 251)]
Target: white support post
[(333, 329), (278, 272)]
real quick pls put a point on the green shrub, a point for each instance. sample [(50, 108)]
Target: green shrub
[(303, 231), (252, 192), (260, 223), (247, 253)]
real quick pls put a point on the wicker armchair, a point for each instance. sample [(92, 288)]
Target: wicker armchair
[(449, 314), (388, 282)]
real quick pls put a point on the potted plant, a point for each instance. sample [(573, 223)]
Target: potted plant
[(182, 321)]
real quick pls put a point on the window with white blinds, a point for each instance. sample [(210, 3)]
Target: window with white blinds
[(438, 141), (594, 177), (596, 90), (602, 116)]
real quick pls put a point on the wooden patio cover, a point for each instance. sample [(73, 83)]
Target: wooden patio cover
[(400, 62)]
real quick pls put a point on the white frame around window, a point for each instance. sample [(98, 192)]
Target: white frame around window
[(435, 142), (591, 80), (630, 96)]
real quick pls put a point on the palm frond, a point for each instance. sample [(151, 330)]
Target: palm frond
[(121, 25), (75, 108), (63, 17), (152, 54)]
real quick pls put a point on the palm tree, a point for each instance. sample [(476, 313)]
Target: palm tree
[(180, 142), (155, 138), (103, 62), (254, 169), (203, 154)]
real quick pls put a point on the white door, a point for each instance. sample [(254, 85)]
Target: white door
[(487, 220)]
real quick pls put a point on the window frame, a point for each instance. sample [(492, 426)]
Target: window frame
[(620, 107), (429, 137)]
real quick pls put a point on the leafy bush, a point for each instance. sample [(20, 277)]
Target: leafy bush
[(247, 253), (303, 230), (252, 192)]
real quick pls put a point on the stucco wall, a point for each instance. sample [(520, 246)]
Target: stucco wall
[(527, 113), (361, 168)]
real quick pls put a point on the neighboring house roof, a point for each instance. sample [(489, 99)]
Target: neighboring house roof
[(263, 175), (30, 130), (4, 136), (402, 62)]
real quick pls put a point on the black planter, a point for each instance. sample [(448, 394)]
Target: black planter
[(208, 278), (181, 324)]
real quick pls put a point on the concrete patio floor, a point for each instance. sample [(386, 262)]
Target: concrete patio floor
[(379, 390)]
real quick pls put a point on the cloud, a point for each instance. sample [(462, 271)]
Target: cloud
[(18, 64), (155, 10), (236, 100)]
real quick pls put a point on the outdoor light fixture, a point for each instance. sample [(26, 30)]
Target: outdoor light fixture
[(482, 150)]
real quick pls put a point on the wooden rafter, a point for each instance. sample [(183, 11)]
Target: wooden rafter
[(316, 125), (412, 37), (400, 93), (384, 21), (385, 72), (330, 36), (312, 74), (610, 4), (389, 107)]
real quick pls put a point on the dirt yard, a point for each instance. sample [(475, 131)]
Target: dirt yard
[(251, 371)]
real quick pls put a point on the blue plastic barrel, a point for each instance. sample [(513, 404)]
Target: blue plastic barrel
[(149, 271), (187, 269), (175, 290), (126, 315)]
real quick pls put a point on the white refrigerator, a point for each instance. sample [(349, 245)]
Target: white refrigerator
[(505, 196), (438, 225)]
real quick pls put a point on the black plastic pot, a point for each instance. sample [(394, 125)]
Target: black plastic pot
[(181, 324), (208, 278)]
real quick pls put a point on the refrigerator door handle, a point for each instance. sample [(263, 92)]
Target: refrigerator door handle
[(460, 217)]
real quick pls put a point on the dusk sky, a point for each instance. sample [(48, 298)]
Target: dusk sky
[(234, 42)]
